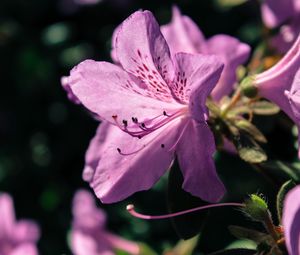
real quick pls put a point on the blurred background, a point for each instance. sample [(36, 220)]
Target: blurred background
[(43, 136)]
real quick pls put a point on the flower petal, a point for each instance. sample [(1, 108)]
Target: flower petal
[(85, 212), (113, 52), (118, 176), (26, 231), (25, 249), (273, 83), (182, 34), (107, 90), (95, 150), (291, 221), (7, 215), (232, 53), (275, 12), (195, 156), (85, 244), (196, 76), (143, 51)]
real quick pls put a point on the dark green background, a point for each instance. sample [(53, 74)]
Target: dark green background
[(43, 136)]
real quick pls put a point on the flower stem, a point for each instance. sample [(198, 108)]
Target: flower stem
[(235, 98), (268, 223)]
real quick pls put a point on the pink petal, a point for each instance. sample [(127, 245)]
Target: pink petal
[(7, 215), (294, 96), (273, 83), (26, 231), (118, 176), (66, 86), (25, 249), (85, 212), (275, 12), (113, 52), (107, 90), (195, 156), (182, 34), (233, 53), (143, 51), (84, 244), (291, 221), (196, 76), (95, 150)]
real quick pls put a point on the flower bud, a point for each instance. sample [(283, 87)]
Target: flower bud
[(256, 208)]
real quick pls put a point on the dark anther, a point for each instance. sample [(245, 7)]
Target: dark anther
[(114, 116), (119, 150), (135, 120), (162, 145), (143, 125), (165, 113), (125, 123), (139, 137)]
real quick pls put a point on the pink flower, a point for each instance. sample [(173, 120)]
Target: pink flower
[(285, 13), (281, 83), (153, 108), (88, 235), (16, 237), (183, 35), (291, 221)]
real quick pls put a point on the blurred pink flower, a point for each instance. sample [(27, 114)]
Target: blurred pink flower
[(88, 234), (285, 13), (183, 35), (153, 108), (16, 237), (291, 221), (281, 83)]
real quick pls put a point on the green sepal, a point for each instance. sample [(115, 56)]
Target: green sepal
[(248, 88)]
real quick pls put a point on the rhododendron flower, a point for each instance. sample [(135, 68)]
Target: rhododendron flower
[(153, 108), (16, 237), (183, 35), (285, 13), (88, 234), (291, 221), (281, 83)]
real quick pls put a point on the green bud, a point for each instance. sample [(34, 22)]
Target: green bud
[(248, 88), (256, 208)]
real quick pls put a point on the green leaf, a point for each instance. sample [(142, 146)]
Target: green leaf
[(282, 170), (188, 225), (235, 252), (264, 108), (285, 188), (249, 150), (184, 247), (252, 130), (246, 233), (229, 3)]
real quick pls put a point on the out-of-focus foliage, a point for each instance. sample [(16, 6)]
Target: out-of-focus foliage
[(43, 136)]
